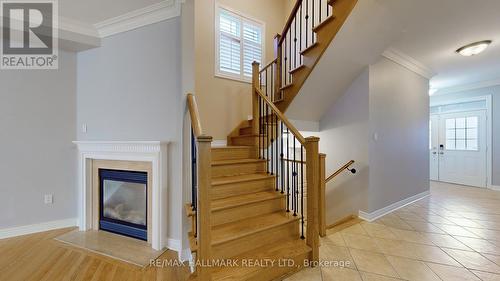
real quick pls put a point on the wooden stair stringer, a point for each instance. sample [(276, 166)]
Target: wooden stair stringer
[(326, 32)]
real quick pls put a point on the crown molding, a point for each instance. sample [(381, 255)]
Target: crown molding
[(152, 14), (408, 62), (468, 87), (77, 27)]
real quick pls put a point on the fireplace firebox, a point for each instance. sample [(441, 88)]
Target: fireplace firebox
[(123, 202)]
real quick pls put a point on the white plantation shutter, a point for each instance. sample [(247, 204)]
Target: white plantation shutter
[(239, 43), (252, 47)]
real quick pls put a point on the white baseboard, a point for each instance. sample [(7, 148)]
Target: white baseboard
[(494, 187), (219, 143), (39, 227), (176, 245), (391, 208), (185, 255)]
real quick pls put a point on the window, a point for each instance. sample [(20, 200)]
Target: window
[(239, 44), (462, 133)]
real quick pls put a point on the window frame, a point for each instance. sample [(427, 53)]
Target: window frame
[(243, 18)]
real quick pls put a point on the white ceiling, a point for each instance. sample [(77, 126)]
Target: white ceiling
[(95, 11), (427, 30), (441, 27)]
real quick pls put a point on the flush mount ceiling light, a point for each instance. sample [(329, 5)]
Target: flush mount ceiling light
[(474, 48)]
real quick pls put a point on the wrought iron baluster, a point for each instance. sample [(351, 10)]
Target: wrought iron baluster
[(302, 188), (282, 155), (287, 170), (294, 179)]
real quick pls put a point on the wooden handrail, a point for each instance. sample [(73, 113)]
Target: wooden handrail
[(339, 171), (282, 117), (202, 211), (195, 115), (289, 21), (268, 65)]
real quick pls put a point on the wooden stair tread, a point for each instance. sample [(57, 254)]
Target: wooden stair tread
[(240, 178), (286, 87), (279, 251), (240, 200), (236, 161), (323, 23), (232, 147), (234, 230), (312, 46), (297, 68), (245, 136)]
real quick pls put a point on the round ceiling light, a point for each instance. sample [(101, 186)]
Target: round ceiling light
[(474, 48)]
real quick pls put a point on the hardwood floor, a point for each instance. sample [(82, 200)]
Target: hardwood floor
[(38, 257)]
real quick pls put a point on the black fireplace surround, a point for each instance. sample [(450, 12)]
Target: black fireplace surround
[(123, 202)]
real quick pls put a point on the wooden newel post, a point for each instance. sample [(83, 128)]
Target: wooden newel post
[(321, 195), (277, 67), (312, 176), (204, 254), (255, 97)]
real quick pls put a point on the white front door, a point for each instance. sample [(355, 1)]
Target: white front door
[(434, 147), (462, 148)]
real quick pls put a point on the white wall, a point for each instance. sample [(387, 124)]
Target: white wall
[(344, 137), (399, 116), (37, 125), (494, 91), (130, 89)]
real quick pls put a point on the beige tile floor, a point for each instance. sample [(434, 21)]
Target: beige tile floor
[(454, 234)]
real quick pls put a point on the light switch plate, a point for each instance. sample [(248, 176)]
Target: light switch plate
[(49, 199)]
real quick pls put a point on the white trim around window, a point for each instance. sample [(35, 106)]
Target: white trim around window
[(251, 22)]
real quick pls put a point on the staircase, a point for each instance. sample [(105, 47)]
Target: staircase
[(250, 205), (249, 218)]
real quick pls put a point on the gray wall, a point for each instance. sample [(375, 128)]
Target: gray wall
[(399, 115), (494, 91), (37, 125), (130, 89), (391, 101), (344, 136)]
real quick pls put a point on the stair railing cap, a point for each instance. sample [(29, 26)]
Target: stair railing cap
[(312, 139)]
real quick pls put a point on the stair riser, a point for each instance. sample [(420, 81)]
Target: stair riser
[(248, 211), (279, 234), (245, 141), (240, 188), (246, 131), (238, 169), (232, 153)]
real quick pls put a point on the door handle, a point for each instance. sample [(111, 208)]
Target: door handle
[(441, 153), (434, 152)]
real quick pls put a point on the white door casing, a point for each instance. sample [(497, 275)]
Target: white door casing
[(434, 147)]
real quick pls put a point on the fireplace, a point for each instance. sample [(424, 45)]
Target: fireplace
[(123, 202)]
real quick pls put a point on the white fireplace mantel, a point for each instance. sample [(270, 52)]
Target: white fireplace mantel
[(154, 152)]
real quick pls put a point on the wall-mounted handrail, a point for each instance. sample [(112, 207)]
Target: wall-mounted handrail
[(322, 187), (345, 167)]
